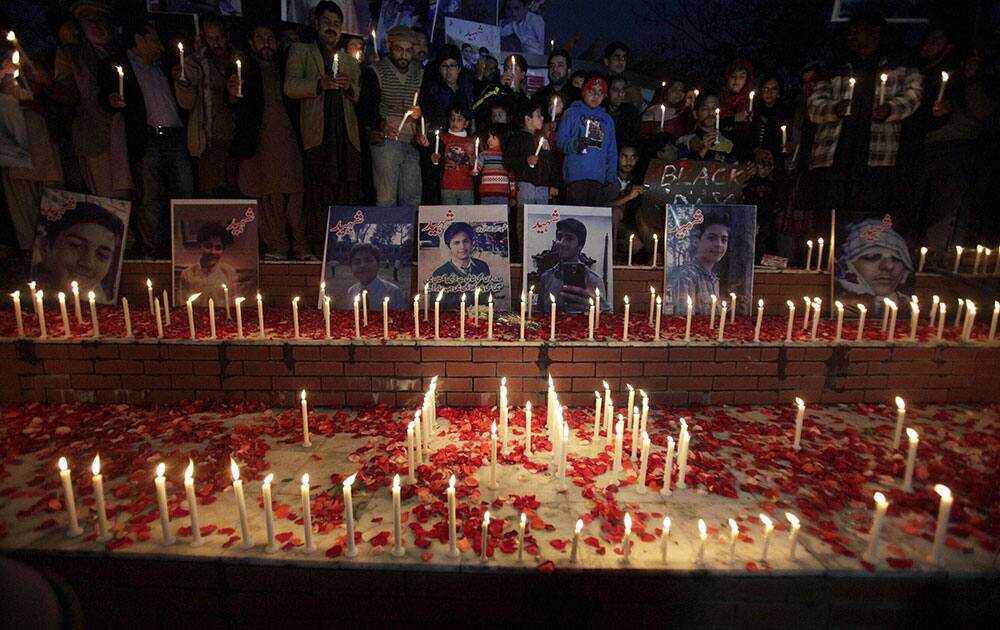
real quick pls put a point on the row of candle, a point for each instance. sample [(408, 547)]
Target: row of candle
[(982, 260)]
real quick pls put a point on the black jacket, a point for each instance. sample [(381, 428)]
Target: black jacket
[(249, 110)]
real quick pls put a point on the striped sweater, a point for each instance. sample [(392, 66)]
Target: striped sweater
[(495, 182)]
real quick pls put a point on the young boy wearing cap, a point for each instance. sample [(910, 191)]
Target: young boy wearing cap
[(587, 137)]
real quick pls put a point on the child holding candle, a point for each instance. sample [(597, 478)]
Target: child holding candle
[(529, 158), (586, 136), (456, 147), (494, 182)]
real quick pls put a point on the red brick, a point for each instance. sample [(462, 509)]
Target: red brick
[(266, 368), (735, 382), (68, 366), (805, 368), (869, 354), (737, 354), (194, 351), (93, 381), (518, 369), (560, 353), (166, 367), (571, 369), (446, 353), (247, 352), (420, 369), (712, 369), (597, 354), (117, 366), (347, 383), (247, 383), (472, 369), (318, 368), (307, 353), (297, 383), (395, 353), (371, 369), (337, 353), (666, 369), (497, 354), (692, 354), (195, 382)]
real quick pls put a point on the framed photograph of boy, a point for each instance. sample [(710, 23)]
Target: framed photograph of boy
[(368, 249), (462, 248), (214, 244), (568, 254), (709, 251), (871, 262), (80, 238)]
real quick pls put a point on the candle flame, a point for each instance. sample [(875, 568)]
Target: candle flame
[(552, 298), (733, 527), (766, 520), (234, 470), (942, 490), (900, 404), (259, 298), (451, 482), (689, 301), (794, 520), (121, 71), (959, 249), (862, 308), (666, 525), (303, 395), (350, 480), (527, 406), (524, 518), (493, 429), (486, 518), (880, 498), (149, 283), (791, 304), (820, 241), (645, 437), (180, 46), (239, 300), (95, 466), (189, 471), (702, 529), (61, 296), (16, 295), (409, 427), (395, 482), (579, 525), (39, 295), (628, 523), (385, 300), (620, 426), (652, 290), (852, 81), (760, 302), (160, 469), (490, 300), (944, 76), (305, 480), (440, 296), (912, 434), (194, 297), (295, 300), (268, 479), (800, 403), (91, 296), (626, 300), (839, 305), (10, 37), (63, 465)]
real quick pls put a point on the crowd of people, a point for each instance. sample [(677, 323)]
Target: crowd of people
[(302, 119)]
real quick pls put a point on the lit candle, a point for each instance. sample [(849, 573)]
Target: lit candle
[(190, 312), (357, 317), (239, 78), (944, 82), (166, 307), (702, 535), (970, 318), (241, 505), (958, 312), (336, 65), (121, 81), (940, 330), (911, 458), (63, 313), (784, 137), (67, 483), (385, 317), (625, 321), (475, 162), (493, 483), (295, 317), (149, 291), (92, 298), (923, 259), (631, 239), (527, 428), (819, 255), (862, 310), (410, 454), (364, 306), (978, 259), (520, 536), (192, 504), (627, 541), (717, 112), (881, 505), (809, 254), (683, 445), (881, 88), (656, 248), (652, 305), (159, 319), (522, 315), (307, 528), (352, 549), (808, 301), (711, 318), (958, 258), (225, 292), (485, 542), (75, 290), (732, 308), (799, 417), (850, 92), (598, 421), (475, 306), (993, 322), (734, 531), (722, 321), (893, 311), (643, 463), (461, 319), (750, 108), (664, 537), (489, 317), (531, 300), (239, 316), (102, 516), (687, 324), (554, 104), (840, 320), (538, 149), (941, 529), (265, 490), (437, 141), (16, 298), (126, 315), (817, 304), (768, 530), (503, 414), (791, 320), (563, 449), (427, 301), (597, 312), (40, 309), (645, 411), (161, 500), (576, 540), (437, 314), (914, 317), (659, 312), (663, 115), (305, 419), (180, 50), (397, 528), (260, 315), (416, 317), (617, 462), (793, 536), (935, 302), (326, 315), (900, 417), (552, 318)]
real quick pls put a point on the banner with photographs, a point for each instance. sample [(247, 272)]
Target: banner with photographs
[(522, 26), (462, 248), (475, 40), (368, 249), (415, 14), (214, 244), (357, 14), (478, 11), (872, 262), (709, 251), (568, 254), (80, 238), (196, 7)]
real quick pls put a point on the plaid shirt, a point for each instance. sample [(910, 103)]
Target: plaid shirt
[(903, 91)]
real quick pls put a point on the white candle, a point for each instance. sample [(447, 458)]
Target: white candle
[(817, 304), (75, 290), (958, 311), (791, 320), (410, 454), (940, 330), (711, 318), (663, 115), (102, 515), (643, 463), (192, 504), (900, 417), (881, 88), (625, 321), (307, 529), (364, 306), (734, 531), (260, 315), (683, 445), (239, 316), (295, 317), (944, 82), (416, 317), (326, 315), (522, 315), (241, 505), (67, 483), (159, 319), (645, 411), (552, 319), (563, 449), (493, 483), (617, 462), (722, 322), (793, 536), (485, 542), (840, 320), (437, 314), (437, 141), (503, 414), (941, 529), (717, 112), (923, 259), (190, 313), (357, 317), (92, 298), (935, 302), (784, 137), (914, 317), (911, 458), (475, 306), (40, 309), (180, 49), (576, 540), (452, 534), (809, 254), (819, 255), (211, 318), (687, 324), (225, 292), (265, 490), (652, 305), (702, 535), (385, 317), (161, 501), (461, 319), (627, 540), (978, 259), (664, 538), (531, 300), (750, 108), (489, 317), (799, 417), (121, 81), (732, 308), (239, 78), (336, 65), (958, 258), (993, 322), (554, 104), (893, 311), (631, 239), (863, 310), (881, 505), (475, 161), (149, 291), (427, 302), (352, 549), (659, 313), (768, 530), (126, 315), (63, 313), (166, 307), (397, 528), (304, 405), (16, 298), (656, 248)]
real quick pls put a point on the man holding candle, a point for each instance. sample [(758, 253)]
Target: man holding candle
[(560, 65), (571, 279), (706, 142), (327, 85)]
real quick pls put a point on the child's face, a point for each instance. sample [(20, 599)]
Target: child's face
[(594, 96), (457, 122), (498, 115), (493, 142), (534, 121)]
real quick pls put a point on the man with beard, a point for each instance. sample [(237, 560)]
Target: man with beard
[(393, 122), (202, 91), (210, 273), (560, 64), (271, 162), (327, 118)]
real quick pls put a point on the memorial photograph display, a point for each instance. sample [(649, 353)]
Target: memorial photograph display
[(872, 263)]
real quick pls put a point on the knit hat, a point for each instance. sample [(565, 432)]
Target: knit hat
[(595, 80), (400, 33)]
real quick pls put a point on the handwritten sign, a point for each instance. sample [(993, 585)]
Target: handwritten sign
[(342, 228), (437, 228), (541, 227), (694, 182)]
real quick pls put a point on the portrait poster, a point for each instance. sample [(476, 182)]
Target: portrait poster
[(522, 26), (472, 37), (357, 14), (461, 248), (479, 11), (196, 7), (871, 262), (568, 254), (368, 249), (709, 251), (80, 238), (415, 14), (214, 243)]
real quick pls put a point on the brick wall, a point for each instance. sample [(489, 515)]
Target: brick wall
[(344, 372)]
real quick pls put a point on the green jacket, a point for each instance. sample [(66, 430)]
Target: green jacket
[(303, 70)]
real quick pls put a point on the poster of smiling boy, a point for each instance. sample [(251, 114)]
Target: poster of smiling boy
[(462, 248), (368, 249), (214, 244), (872, 262), (709, 251)]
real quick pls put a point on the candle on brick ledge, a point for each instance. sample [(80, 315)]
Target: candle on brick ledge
[(75, 289), (192, 504), (62, 313), (760, 317), (94, 323), (73, 530)]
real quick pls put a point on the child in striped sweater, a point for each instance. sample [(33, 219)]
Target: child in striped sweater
[(494, 185)]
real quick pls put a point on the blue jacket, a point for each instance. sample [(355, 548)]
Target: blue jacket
[(587, 138)]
